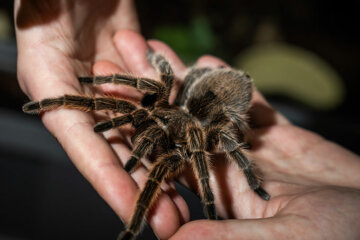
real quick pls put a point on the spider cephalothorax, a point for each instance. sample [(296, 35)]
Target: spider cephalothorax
[(209, 113)]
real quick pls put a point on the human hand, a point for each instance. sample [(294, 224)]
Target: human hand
[(313, 196), (52, 53), (313, 183), (58, 41)]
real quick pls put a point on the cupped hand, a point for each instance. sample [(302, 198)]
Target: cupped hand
[(313, 182), (58, 41)]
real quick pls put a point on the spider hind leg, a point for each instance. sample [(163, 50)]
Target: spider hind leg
[(166, 165), (200, 161), (163, 68)]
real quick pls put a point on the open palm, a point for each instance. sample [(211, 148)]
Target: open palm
[(307, 201), (313, 182), (58, 41)]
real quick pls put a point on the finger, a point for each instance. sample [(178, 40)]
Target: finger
[(123, 16), (132, 48), (285, 227), (211, 61), (261, 113), (176, 63), (126, 16)]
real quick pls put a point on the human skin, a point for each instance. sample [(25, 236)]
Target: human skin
[(59, 40), (304, 173), (314, 183)]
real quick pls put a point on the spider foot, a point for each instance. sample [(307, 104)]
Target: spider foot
[(210, 211), (131, 164), (126, 235), (31, 107), (262, 193)]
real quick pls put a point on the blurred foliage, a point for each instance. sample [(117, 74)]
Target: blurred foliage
[(226, 29), (278, 68), (189, 41)]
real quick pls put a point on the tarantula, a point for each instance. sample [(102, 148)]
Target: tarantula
[(209, 113)]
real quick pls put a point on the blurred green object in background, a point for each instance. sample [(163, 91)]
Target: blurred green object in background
[(5, 26), (286, 70), (189, 41)]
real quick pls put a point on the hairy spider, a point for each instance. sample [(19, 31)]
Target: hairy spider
[(209, 114)]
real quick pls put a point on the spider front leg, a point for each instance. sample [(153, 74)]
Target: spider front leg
[(156, 89), (166, 166), (163, 68), (200, 161), (83, 103)]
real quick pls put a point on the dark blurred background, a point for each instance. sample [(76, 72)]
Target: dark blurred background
[(303, 55)]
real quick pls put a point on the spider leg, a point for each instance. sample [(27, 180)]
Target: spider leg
[(145, 84), (144, 143), (223, 135), (135, 118), (152, 87), (165, 166), (147, 134), (166, 76), (80, 102), (252, 179), (200, 161), (163, 67)]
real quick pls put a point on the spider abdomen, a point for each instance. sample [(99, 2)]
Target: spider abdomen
[(219, 90)]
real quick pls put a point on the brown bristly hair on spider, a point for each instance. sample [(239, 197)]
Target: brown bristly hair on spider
[(209, 114)]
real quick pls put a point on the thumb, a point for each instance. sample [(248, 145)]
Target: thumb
[(282, 227)]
